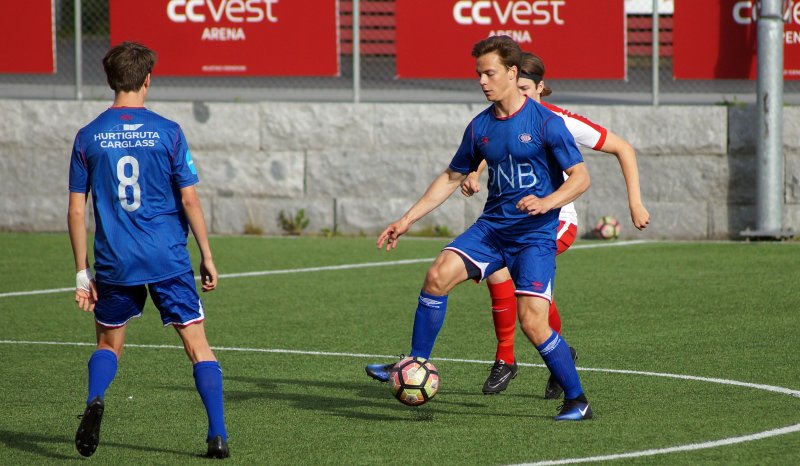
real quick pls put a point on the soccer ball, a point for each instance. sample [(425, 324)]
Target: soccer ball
[(607, 228), (414, 381)]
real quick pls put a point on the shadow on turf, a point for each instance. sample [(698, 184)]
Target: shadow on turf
[(370, 394), (35, 444)]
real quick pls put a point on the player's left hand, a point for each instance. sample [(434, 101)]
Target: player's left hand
[(640, 217), (208, 275), (533, 205)]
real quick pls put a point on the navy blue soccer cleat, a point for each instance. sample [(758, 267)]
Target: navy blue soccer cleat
[(379, 372), (577, 409)]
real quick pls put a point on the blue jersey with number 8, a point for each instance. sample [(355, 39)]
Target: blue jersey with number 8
[(134, 163)]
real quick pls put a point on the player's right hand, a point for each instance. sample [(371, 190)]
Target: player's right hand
[(85, 290), (391, 234), (471, 184)]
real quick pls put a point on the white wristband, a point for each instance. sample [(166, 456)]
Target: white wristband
[(83, 280)]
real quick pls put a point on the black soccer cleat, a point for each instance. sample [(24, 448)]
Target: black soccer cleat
[(218, 448), (574, 410), (88, 435), (500, 376), (553, 391)]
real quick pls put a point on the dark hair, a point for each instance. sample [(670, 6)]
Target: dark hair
[(127, 66), (505, 47), (532, 67)]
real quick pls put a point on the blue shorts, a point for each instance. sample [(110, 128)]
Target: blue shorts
[(175, 298), (532, 264)]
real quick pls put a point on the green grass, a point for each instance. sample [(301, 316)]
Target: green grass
[(713, 310)]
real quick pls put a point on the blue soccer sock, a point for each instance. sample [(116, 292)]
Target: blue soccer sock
[(427, 323), (102, 369), (208, 381), (558, 358)]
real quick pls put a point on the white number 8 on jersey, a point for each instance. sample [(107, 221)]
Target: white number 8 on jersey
[(125, 181)]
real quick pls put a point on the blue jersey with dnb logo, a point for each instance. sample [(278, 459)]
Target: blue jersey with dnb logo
[(134, 162), (526, 154)]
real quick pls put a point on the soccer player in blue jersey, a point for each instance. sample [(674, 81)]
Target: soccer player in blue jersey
[(138, 168), (526, 147)]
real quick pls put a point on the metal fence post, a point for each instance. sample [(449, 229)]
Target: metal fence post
[(769, 142), (356, 51), (78, 52), (656, 41)]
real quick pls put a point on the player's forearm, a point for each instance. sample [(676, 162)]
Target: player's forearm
[(577, 184), (197, 222), (626, 156), (480, 169), (439, 190), (630, 172), (76, 224)]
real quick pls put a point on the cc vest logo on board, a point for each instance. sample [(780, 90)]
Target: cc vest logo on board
[(525, 138), (512, 13), (233, 11)]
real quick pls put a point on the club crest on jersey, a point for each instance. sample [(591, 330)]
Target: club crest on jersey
[(525, 138), (483, 141)]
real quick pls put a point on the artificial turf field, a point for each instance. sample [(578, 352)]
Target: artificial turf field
[(293, 341)]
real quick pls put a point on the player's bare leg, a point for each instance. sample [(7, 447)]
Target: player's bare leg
[(195, 342)]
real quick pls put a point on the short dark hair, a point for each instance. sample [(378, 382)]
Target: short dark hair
[(505, 47), (532, 67), (127, 66)]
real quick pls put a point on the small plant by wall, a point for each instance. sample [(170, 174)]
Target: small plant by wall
[(293, 225)]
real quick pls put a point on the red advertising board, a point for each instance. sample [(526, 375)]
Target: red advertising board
[(27, 32), (717, 39), (581, 39), (233, 37)]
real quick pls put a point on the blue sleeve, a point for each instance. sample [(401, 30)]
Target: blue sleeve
[(561, 143), (467, 157), (184, 172), (78, 169)]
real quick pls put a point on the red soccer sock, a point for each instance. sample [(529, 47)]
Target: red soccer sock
[(554, 318), (504, 316)]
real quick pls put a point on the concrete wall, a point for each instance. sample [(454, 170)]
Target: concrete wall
[(361, 166)]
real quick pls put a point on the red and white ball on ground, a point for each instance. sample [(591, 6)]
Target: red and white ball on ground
[(414, 381), (607, 228)]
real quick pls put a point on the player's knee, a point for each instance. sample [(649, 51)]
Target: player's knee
[(437, 283)]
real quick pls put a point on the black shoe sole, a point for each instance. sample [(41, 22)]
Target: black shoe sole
[(87, 437)]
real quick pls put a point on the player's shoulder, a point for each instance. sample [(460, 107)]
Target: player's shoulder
[(541, 111), (161, 120)]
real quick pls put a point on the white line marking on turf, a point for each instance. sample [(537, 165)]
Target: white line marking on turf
[(318, 269), (676, 449), (590, 459)]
